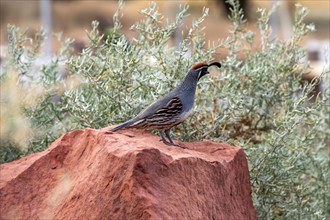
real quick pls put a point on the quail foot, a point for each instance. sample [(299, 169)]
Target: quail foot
[(171, 109)]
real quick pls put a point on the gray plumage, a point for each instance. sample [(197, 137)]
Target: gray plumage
[(171, 109)]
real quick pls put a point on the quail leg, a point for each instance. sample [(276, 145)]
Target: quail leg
[(167, 132), (164, 139)]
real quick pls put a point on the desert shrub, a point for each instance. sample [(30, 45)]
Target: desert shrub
[(259, 103)]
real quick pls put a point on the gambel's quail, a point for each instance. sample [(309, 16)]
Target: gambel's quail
[(171, 109)]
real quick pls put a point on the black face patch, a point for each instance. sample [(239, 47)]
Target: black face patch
[(203, 71)]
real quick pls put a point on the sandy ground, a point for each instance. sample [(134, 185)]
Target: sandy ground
[(73, 18)]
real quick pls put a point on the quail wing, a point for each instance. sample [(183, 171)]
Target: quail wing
[(163, 117)]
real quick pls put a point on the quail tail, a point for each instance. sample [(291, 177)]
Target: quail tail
[(123, 125)]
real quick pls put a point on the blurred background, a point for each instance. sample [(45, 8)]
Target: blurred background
[(33, 115), (73, 17)]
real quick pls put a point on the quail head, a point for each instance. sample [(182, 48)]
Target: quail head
[(171, 109)]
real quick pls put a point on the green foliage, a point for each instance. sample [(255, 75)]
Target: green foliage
[(259, 103)]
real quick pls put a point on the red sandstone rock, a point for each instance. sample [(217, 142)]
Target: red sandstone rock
[(130, 174)]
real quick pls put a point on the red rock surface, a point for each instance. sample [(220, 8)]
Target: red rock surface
[(130, 174)]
